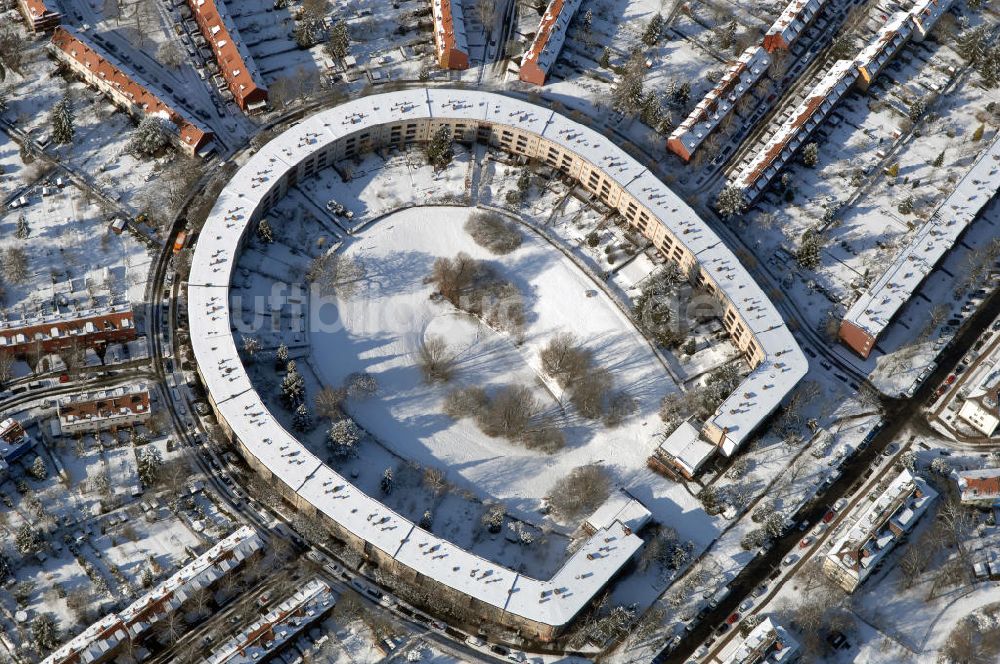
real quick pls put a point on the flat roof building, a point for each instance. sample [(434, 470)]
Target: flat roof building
[(128, 90), (450, 42), (873, 529), (877, 307), (926, 14), (540, 57), (540, 608), (622, 508), (682, 453), (235, 62)]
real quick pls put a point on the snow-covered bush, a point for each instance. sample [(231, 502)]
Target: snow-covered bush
[(151, 137), (343, 438)]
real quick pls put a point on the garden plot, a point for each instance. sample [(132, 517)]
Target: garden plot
[(13, 174), (71, 255), (383, 43), (380, 184), (620, 257), (102, 132)]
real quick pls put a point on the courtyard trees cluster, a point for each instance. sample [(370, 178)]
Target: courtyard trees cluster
[(474, 287), (511, 412), (590, 387), (493, 232)]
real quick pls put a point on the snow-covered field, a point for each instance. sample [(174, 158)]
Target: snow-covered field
[(384, 324)]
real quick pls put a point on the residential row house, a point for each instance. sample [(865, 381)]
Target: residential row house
[(267, 635), (876, 527), (753, 177), (121, 407), (541, 56), (235, 62), (68, 331), (735, 88), (107, 638), (450, 43), (128, 90)]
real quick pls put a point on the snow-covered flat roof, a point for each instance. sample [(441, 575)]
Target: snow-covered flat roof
[(687, 448), (620, 507), (554, 601), (877, 306)]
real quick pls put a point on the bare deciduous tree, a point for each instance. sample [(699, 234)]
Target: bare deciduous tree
[(436, 359), (581, 492), (336, 274)]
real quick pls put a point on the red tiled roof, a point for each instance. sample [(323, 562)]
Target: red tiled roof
[(96, 62), (237, 72), (983, 486)]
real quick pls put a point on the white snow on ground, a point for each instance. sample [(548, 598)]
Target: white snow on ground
[(384, 324)]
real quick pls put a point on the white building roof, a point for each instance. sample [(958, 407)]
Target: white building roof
[(926, 13), (767, 643), (228, 383), (877, 306), (687, 448), (259, 640), (620, 507), (721, 100), (868, 531)]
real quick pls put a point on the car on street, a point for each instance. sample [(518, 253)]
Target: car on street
[(840, 504), (790, 559)]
